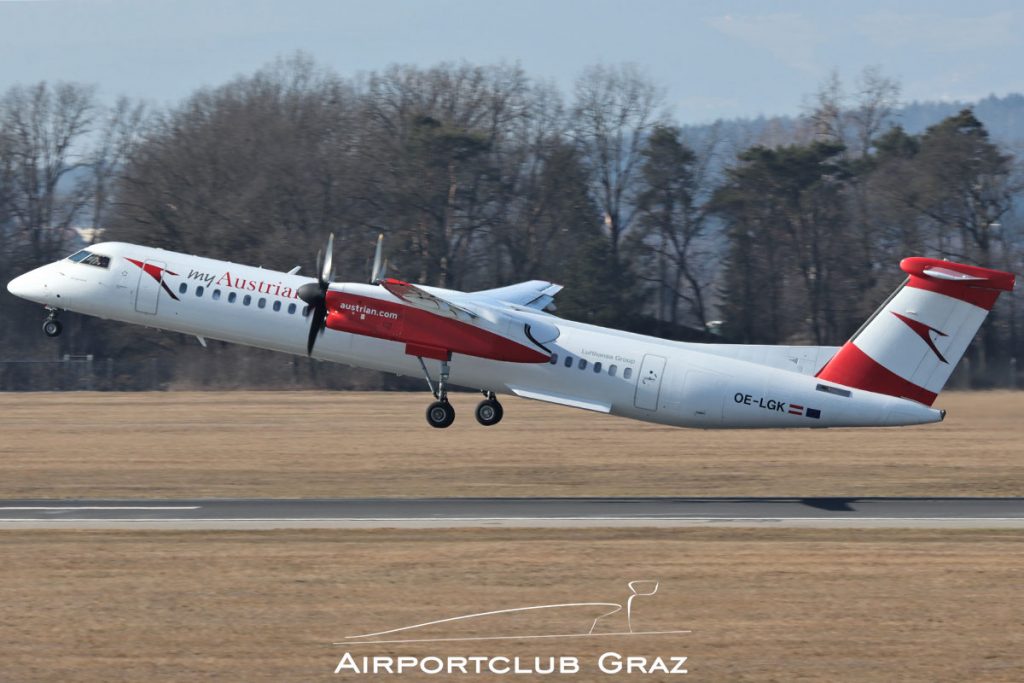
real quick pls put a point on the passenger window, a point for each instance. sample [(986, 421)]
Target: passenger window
[(277, 305), (597, 367), (305, 311), (199, 291), (182, 288), (583, 363), (262, 303), (291, 309), (231, 297), (627, 373), (246, 300), (216, 294), (568, 361), (612, 369), (554, 359)]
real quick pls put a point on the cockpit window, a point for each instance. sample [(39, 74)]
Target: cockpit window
[(97, 260), (90, 259)]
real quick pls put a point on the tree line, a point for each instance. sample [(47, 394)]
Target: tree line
[(479, 176)]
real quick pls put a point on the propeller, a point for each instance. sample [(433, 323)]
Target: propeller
[(315, 294), (379, 267)]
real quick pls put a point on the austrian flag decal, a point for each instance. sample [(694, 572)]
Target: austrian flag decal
[(794, 409)]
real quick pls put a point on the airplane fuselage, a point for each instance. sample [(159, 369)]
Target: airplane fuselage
[(595, 368)]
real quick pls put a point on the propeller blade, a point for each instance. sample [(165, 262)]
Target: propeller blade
[(315, 294), (377, 274), (327, 271), (314, 331), (316, 298)]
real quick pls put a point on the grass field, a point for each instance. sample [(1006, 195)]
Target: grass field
[(763, 605), (314, 444)]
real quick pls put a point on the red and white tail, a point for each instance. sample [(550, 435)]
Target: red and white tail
[(910, 346)]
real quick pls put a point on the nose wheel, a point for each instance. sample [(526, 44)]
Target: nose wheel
[(52, 326)]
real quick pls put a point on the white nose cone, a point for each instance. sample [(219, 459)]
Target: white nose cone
[(20, 286), (30, 286)]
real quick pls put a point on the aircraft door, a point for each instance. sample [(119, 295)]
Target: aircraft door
[(147, 292), (648, 385)]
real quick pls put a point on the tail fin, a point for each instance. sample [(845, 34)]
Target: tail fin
[(910, 346)]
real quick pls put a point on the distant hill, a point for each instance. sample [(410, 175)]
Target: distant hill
[(1002, 116)]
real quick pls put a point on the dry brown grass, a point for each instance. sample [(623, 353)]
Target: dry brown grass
[(769, 605), (280, 444)]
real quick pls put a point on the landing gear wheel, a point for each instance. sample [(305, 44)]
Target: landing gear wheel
[(489, 412), (52, 328), (440, 414)]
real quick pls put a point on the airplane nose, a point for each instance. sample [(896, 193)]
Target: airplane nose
[(19, 286), (28, 286)]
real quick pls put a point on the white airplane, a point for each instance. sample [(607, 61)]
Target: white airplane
[(502, 341)]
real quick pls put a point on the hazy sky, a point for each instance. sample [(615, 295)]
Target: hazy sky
[(715, 59)]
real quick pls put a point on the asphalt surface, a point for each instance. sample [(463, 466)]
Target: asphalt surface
[(212, 514)]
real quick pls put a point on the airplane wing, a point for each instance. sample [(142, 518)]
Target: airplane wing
[(537, 294), (422, 299)]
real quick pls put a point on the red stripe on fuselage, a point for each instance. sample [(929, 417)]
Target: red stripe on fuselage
[(854, 368), (417, 328)]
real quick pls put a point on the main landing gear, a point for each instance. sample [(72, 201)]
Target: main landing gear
[(52, 326), (489, 412), (441, 413)]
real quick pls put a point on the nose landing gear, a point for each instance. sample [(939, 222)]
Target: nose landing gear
[(52, 326)]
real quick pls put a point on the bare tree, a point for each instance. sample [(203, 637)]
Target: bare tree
[(873, 107), (122, 127), (43, 129), (853, 121), (615, 109), (827, 114)]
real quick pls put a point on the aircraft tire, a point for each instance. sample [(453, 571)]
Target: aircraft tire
[(52, 328), (440, 414), (489, 412)]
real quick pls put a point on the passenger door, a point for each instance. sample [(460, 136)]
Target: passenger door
[(648, 384), (147, 293)]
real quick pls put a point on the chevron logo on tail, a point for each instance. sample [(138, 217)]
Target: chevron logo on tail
[(924, 332)]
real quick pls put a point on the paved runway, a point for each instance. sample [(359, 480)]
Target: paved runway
[(513, 512)]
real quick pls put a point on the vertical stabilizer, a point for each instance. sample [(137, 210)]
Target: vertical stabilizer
[(910, 346)]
